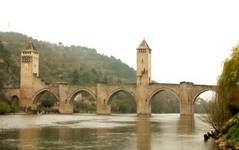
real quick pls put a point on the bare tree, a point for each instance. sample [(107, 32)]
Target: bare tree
[(217, 113)]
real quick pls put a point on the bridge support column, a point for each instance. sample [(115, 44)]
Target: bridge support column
[(26, 98), (186, 104), (64, 106), (143, 107), (102, 108), (186, 109)]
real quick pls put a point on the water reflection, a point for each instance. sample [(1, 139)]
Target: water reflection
[(143, 133), (28, 139), (186, 124)]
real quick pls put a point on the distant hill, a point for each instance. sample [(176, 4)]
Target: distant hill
[(72, 64)]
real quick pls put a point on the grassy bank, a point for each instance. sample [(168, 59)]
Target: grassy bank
[(229, 136)]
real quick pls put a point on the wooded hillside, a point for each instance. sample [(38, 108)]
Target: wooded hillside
[(72, 64)]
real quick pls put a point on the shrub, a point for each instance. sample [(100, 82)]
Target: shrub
[(47, 103), (14, 108), (233, 134), (4, 108)]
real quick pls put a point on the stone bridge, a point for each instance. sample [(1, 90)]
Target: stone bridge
[(185, 92), (32, 87)]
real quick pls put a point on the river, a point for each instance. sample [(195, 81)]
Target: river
[(92, 132)]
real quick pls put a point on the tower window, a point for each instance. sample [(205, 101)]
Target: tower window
[(142, 50), (26, 59), (26, 52)]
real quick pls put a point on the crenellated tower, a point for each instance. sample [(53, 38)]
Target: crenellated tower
[(143, 74), (29, 65)]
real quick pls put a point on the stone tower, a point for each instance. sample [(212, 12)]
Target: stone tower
[(143, 74), (29, 66)]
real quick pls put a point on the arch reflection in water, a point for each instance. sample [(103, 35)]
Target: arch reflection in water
[(143, 133)]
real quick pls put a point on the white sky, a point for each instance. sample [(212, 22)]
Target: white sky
[(189, 38)]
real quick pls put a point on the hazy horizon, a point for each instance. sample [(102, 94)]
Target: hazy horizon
[(189, 39)]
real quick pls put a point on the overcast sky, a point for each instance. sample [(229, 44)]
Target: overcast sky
[(189, 38)]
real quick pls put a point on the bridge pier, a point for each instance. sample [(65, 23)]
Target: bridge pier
[(26, 98), (102, 107), (186, 109), (143, 109), (65, 107), (143, 106), (185, 95)]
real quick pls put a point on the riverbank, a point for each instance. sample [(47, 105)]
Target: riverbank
[(229, 136)]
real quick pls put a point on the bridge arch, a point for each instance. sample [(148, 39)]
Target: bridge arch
[(201, 92), (201, 99), (115, 91), (15, 100), (121, 100), (152, 94), (76, 92), (40, 93), (172, 104)]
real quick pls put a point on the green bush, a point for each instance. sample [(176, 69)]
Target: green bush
[(14, 108), (4, 108), (47, 103), (233, 135)]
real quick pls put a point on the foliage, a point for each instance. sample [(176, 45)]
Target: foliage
[(119, 106), (14, 108), (2, 70), (216, 114), (231, 128), (227, 100), (47, 103), (84, 103), (47, 100), (199, 105), (164, 102), (233, 134), (8, 67), (4, 107), (75, 77), (122, 102), (228, 82), (73, 64)]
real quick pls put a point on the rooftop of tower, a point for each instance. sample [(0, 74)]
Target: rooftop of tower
[(30, 46), (143, 45)]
